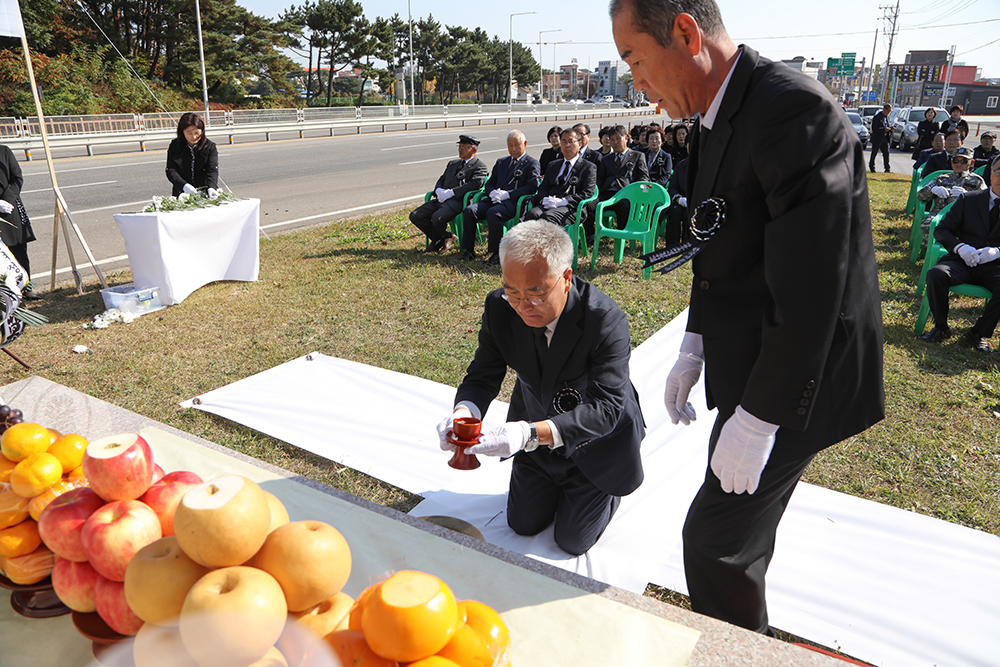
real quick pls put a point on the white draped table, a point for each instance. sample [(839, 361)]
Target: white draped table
[(180, 251)]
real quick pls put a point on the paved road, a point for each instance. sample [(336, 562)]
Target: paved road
[(299, 182)]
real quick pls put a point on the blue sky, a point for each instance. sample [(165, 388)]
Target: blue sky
[(810, 28)]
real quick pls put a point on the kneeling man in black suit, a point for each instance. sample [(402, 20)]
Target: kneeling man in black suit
[(574, 424), (970, 231)]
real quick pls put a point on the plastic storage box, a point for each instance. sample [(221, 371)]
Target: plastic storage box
[(128, 299)]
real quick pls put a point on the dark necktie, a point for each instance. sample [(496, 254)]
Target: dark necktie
[(561, 178), (541, 344), (618, 160)]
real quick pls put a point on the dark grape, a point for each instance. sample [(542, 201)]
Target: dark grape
[(11, 421), (17, 414), (4, 411)]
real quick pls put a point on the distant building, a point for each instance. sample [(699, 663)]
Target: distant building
[(607, 75), (810, 68)]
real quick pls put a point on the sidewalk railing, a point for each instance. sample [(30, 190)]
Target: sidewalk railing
[(86, 131)]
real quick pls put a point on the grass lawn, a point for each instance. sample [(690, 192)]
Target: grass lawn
[(359, 290)]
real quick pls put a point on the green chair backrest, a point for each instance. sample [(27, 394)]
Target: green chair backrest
[(645, 200)]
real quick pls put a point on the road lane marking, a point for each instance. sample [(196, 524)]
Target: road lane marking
[(80, 267), (144, 202), (346, 210), (67, 187), (451, 157), (436, 143)]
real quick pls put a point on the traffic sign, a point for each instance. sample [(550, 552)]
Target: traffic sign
[(847, 63)]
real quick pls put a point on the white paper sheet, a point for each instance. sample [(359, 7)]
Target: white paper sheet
[(180, 251), (889, 586)]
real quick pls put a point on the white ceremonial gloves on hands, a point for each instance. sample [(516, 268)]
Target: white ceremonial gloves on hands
[(988, 255), (968, 254), (213, 193), (683, 201), (554, 202), (444, 195), (498, 196), (742, 451), (189, 189), (506, 440), (445, 425), (957, 191), (940, 191), (6, 207), (682, 377)]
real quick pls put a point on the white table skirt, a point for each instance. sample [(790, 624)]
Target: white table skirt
[(180, 251)]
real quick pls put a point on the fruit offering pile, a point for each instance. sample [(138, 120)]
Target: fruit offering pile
[(214, 574), (37, 465)]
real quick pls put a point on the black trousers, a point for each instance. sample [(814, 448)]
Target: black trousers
[(950, 272), (432, 217), (494, 214), (545, 487), (882, 145), (729, 540), (562, 215)]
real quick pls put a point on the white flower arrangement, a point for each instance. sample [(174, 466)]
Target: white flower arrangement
[(189, 202), (104, 320)]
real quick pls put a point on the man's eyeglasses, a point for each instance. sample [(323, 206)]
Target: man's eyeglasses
[(534, 301)]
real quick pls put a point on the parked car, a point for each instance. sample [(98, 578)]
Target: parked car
[(866, 111), (859, 127), (904, 125)]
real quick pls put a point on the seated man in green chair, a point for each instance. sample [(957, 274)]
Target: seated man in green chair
[(946, 188), (567, 182), (970, 231), (619, 168)]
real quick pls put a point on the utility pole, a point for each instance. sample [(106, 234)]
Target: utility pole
[(947, 77), (871, 74), (888, 57)]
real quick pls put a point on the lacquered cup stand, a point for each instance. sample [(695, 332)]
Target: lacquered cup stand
[(464, 434), (108, 646), (34, 600)]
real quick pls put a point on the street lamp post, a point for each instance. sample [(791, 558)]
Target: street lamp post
[(413, 101), (510, 77), (541, 75)]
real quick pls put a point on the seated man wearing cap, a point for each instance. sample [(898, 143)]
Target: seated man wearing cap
[(986, 150), (513, 177), (574, 425), (463, 175), (970, 231), (946, 188), (567, 182)]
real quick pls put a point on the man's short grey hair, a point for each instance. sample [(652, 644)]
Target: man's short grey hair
[(517, 134), (537, 239), (656, 17)]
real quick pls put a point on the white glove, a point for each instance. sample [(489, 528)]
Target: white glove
[(444, 195), (189, 189), (968, 254), (499, 196), (742, 451), (940, 191), (957, 191), (549, 202), (683, 201), (682, 377), (6, 207), (445, 425), (989, 254), (505, 441), (213, 193)]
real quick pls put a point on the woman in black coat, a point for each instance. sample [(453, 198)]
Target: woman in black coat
[(15, 229), (926, 129), (192, 160), (680, 151), (660, 163), (553, 152)]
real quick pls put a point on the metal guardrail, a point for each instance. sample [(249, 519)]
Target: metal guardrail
[(88, 131)]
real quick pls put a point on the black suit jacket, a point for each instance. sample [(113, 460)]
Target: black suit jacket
[(206, 166), (11, 181), (589, 352), (463, 177), (968, 221), (579, 185), (591, 155), (612, 177), (660, 167), (937, 162), (880, 128), (519, 181), (786, 293)]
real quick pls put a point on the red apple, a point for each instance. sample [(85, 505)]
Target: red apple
[(119, 467), (61, 522), (109, 598), (114, 533), (165, 494), (74, 584), (157, 473)]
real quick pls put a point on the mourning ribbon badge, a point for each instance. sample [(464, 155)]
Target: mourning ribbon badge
[(706, 220), (566, 399)]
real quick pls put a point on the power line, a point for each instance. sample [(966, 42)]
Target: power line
[(979, 47), (841, 34)]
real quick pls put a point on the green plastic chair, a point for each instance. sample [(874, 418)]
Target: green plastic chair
[(646, 202), (938, 217), (920, 210), (911, 200), (935, 251), (576, 233), (455, 224)]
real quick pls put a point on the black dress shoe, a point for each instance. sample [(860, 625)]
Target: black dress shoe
[(31, 295), (447, 243), (935, 335), (492, 260), (469, 255), (977, 342)]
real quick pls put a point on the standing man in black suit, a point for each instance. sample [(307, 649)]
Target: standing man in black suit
[(970, 231), (567, 182), (512, 178), (785, 313), (463, 175), (586, 152), (617, 169), (881, 135), (574, 425)]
